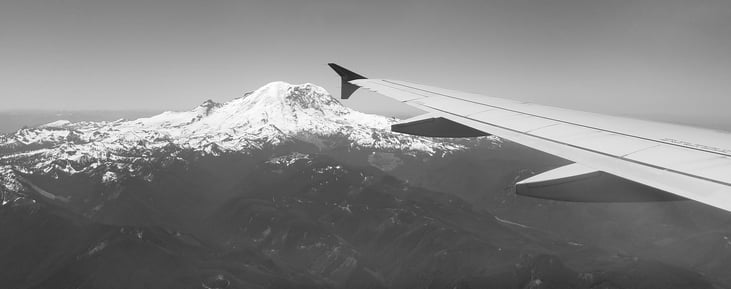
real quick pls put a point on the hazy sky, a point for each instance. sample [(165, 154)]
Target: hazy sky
[(659, 58)]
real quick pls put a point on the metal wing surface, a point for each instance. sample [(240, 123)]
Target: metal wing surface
[(687, 162)]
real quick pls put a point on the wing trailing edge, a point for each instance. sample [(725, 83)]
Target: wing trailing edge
[(577, 183), (435, 126)]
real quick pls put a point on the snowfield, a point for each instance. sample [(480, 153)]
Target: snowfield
[(267, 117)]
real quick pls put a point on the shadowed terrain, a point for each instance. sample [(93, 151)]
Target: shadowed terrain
[(294, 221)]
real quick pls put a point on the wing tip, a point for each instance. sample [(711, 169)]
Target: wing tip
[(347, 88)]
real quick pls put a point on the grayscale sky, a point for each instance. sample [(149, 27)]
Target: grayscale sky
[(662, 59)]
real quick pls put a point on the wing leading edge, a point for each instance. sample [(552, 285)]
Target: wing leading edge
[(656, 158)]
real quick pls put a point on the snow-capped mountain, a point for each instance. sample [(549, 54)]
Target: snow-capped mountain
[(273, 115), (287, 188)]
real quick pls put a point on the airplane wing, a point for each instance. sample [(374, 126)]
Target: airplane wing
[(615, 159)]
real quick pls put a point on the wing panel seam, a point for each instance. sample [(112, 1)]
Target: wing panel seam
[(563, 121), (591, 150)]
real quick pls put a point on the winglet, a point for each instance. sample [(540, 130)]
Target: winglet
[(346, 76)]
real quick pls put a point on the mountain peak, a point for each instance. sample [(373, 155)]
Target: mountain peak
[(209, 103), (287, 107), (302, 96), (277, 85), (273, 88), (272, 115), (206, 107)]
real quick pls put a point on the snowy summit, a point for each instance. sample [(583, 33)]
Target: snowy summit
[(275, 114)]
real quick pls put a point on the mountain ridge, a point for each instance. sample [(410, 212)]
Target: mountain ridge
[(275, 115)]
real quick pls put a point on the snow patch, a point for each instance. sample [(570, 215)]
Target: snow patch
[(287, 160), (512, 223), (110, 177), (56, 124), (97, 248)]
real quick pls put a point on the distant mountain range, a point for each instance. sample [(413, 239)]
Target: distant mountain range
[(13, 120), (287, 188)]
